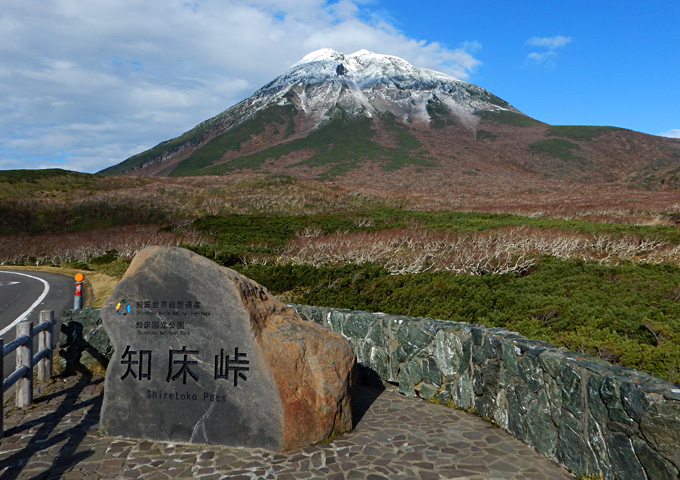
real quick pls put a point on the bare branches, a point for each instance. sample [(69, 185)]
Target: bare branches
[(84, 246), (507, 250)]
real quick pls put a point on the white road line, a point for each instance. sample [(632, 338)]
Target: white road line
[(32, 307)]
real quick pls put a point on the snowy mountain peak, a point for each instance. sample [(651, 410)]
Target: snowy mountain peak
[(365, 64), (332, 113), (319, 56), (366, 84), (328, 54)]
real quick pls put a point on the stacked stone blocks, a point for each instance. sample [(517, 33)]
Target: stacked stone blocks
[(586, 414), (590, 416)]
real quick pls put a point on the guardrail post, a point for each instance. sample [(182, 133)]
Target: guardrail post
[(24, 357), (45, 341)]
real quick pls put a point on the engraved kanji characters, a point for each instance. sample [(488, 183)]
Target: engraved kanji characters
[(143, 361), (223, 365), (184, 362), (138, 365)]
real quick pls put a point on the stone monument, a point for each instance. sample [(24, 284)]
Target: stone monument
[(205, 355)]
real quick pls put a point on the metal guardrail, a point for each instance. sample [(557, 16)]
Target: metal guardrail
[(26, 360)]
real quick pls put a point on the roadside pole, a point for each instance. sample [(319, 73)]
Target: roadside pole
[(78, 297)]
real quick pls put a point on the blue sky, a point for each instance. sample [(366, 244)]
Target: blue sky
[(84, 85)]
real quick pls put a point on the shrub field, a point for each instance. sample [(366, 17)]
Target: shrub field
[(609, 288)]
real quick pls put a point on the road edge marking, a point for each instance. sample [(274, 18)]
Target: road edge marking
[(32, 307)]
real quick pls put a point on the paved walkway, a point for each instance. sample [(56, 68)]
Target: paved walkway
[(396, 438)]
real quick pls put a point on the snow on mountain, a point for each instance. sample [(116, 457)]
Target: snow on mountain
[(366, 83), (288, 127), (325, 85)]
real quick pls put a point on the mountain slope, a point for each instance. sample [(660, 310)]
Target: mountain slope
[(331, 114)]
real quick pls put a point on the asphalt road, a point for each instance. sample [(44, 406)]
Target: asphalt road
[(27, 293)]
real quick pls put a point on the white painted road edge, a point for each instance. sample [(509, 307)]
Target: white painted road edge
[(32, 307)]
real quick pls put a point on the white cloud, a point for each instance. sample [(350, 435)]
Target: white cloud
[(557, 41), (673, 133), (546, 58), (88, 84), (541, 57)]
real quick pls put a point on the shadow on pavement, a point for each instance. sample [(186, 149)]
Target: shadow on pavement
[(364, 396), (45, 437)]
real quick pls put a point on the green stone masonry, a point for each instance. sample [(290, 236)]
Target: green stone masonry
[(590, 416)]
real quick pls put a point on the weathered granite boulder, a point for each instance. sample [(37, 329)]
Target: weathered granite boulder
[(205, 355)]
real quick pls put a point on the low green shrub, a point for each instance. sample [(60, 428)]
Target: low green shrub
[(275, 229), (628, 315), (579, 132), (339, 145), (508, 118), (482, 135), (557, 147)]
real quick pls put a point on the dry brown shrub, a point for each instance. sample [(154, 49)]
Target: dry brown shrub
[(512, 249), (84, 246)]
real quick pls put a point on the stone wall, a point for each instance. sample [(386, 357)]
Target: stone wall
[(83, 342), (584, 413), (587, 414)]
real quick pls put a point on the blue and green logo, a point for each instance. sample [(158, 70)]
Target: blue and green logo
[(123, 307)]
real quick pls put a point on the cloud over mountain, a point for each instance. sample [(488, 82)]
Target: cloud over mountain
[(84, 86)]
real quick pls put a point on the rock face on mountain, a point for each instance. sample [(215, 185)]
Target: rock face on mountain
[(331, 114)]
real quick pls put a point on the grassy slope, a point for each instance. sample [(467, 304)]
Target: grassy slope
[(267, 229), (49, 182), (54, 200), (579, 132), (209, 154), (626, 313), (339, 146)]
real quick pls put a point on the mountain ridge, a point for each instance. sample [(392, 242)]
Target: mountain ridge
[(330, 114)]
